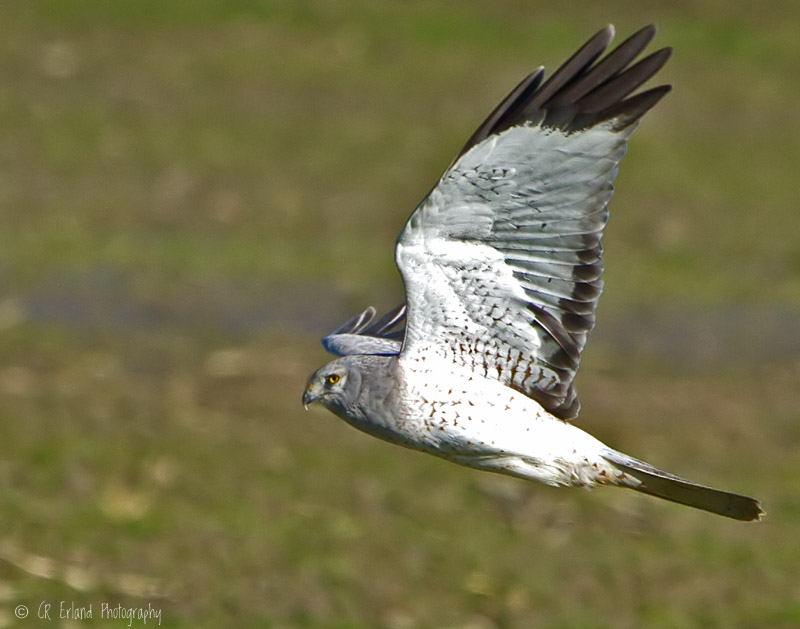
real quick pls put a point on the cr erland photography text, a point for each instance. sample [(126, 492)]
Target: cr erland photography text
[(105, 610)]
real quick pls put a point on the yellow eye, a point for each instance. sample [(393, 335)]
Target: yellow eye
[(333, 378)]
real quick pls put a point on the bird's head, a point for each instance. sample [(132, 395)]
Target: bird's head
[(335, 386)]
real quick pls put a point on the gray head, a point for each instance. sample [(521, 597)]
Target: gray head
[(360, 389), (336, 386), (356, 388)]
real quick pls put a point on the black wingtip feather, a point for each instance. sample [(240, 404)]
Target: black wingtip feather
[(632, 109), (583, 91), (507, 110), (574, 66), (617, 88), (620, 57)]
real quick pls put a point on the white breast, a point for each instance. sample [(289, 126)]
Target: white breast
[(480, 422)]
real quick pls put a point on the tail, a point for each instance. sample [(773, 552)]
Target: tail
[(669, 487)]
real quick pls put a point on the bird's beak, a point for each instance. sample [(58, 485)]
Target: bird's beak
[(308, 397)]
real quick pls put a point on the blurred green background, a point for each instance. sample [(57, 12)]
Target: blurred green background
[(193, 192)]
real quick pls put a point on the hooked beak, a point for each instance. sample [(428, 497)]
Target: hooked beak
[(308, 397)]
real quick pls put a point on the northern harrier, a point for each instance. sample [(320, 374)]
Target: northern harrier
[(501, 263)]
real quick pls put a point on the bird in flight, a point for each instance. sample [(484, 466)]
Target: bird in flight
[(501, 264)]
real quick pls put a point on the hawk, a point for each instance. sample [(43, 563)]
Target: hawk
[(501, 264)]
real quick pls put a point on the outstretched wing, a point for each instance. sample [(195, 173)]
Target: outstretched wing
[(502, 259), (360, 335)]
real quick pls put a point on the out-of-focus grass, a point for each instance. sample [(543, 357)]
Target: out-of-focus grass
[(271, 135), (179, 146)]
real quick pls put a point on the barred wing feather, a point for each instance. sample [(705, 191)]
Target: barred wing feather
[(502, 259)]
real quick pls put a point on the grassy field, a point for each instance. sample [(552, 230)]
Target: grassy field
[(193, 192)]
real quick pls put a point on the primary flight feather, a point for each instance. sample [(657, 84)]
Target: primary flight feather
[(501, 263)]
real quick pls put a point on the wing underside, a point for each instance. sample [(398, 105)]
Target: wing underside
[(502, 260)]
